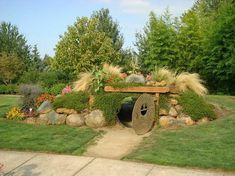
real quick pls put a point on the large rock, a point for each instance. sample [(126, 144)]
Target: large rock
[(178, 108), (42, 119), (44, 108), (55, 118), (163, 112), (173, 112), (173, 102), (187, 121), (167, 121), (75, 120), (203, 120), (30, 120), (95, 119), (66, 111)]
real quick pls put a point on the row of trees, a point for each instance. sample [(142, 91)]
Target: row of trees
[(16, 56), (201, 40)]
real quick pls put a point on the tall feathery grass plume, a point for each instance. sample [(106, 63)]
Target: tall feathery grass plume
[(187, 81), (112, 70), (84, 83), (164, 74)]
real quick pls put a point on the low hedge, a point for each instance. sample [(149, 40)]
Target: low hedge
[(195, 106), (9, 89), (74, 100)]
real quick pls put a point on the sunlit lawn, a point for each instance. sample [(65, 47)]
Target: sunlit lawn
[(207, 146)]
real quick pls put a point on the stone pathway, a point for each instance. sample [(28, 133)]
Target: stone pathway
[(115, 143), (41, 164)]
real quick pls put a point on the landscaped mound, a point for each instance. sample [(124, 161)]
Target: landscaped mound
[(88, 104)]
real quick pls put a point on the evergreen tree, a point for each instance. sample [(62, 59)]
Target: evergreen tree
[(157, 45), (14, 43), (110, 27)]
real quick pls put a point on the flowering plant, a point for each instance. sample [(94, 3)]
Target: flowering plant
[(66, 90), (15, 113), (44, 97)]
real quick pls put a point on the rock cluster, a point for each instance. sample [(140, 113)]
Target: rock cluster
[(47, 116), (173, 116)]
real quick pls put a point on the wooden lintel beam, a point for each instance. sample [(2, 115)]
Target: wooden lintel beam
[(141, 89)]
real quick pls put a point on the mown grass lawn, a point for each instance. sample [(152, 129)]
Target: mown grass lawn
[(210, 145), (6, 102), (56, 139)]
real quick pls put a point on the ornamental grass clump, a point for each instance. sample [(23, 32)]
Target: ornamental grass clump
[(164, 74), (182, 82), (96, 79), (186, 81), (84, 82)]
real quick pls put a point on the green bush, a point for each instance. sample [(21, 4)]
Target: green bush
[(55, 89), (195, 106), (75, 100), (48, 79), (110, 103), (9, 89), (31, 77)]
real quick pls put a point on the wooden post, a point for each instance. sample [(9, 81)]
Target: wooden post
[(157, 95)]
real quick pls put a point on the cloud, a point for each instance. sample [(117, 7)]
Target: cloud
[(136, 6)]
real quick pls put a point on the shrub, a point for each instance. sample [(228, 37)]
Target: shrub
[(110, 103), (44, 97), (30, 93), (31, 77), (56, 89), (195, 106), (15, 113), (9, 89), (75, 100)]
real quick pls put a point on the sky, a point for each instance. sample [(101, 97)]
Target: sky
[(43, 21)]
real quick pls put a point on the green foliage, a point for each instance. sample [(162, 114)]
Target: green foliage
[(83, 47), (9, 89), (195, 106), (75, 100), (10, 68), (14, 43), (110, 27), (157, 44), (110, 103), (55, 89), (29, 95), (164, 102), (36, 62), (30, 77)]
